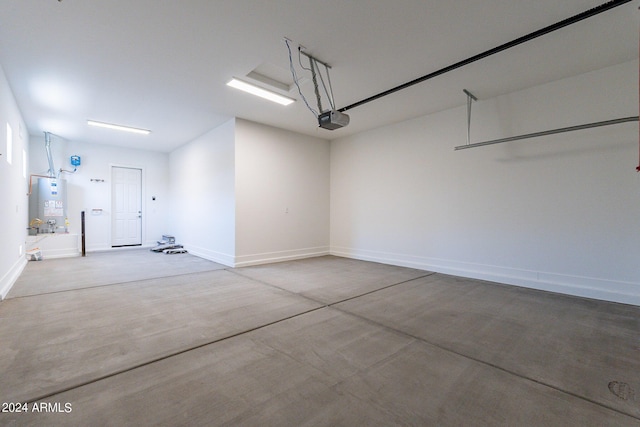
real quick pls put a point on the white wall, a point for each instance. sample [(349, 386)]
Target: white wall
[(203, 195), (85, 195), (558, 213), (282, 194), (246, 193), (13, 190)]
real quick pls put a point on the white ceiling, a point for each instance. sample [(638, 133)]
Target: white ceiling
[(163, 65)]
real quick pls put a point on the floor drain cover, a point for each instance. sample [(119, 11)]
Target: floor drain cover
[(621, 390)]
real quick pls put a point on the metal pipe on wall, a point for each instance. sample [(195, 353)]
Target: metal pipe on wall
[(549, 132), (84, 252), (47, 146), (31, 182)]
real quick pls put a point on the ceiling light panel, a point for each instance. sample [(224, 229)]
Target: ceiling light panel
[(261, 92), (118, 127)]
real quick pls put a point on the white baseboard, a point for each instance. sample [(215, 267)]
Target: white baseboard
[(96, 249), (60, 253), (220, 258), (61, 245), (280, 256), (587, 287), (9, 279)]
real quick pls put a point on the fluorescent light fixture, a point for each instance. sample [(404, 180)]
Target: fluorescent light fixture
[(258, 91), (118, 127)]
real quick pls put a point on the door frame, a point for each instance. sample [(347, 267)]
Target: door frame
[(143, 186)]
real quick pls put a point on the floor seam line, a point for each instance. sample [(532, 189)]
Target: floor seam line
[(330, 304), (140, 365), (262, 282), (168, 356), (112, 284), (381, 289), (254, 333), (489, 364)]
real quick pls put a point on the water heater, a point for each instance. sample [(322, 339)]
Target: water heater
[(49, 203)]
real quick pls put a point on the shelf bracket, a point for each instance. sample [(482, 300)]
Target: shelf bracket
[(470, 98)]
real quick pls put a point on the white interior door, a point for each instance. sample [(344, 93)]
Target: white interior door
[(126, 194)]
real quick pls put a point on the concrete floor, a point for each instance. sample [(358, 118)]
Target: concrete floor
[(140, 338)]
